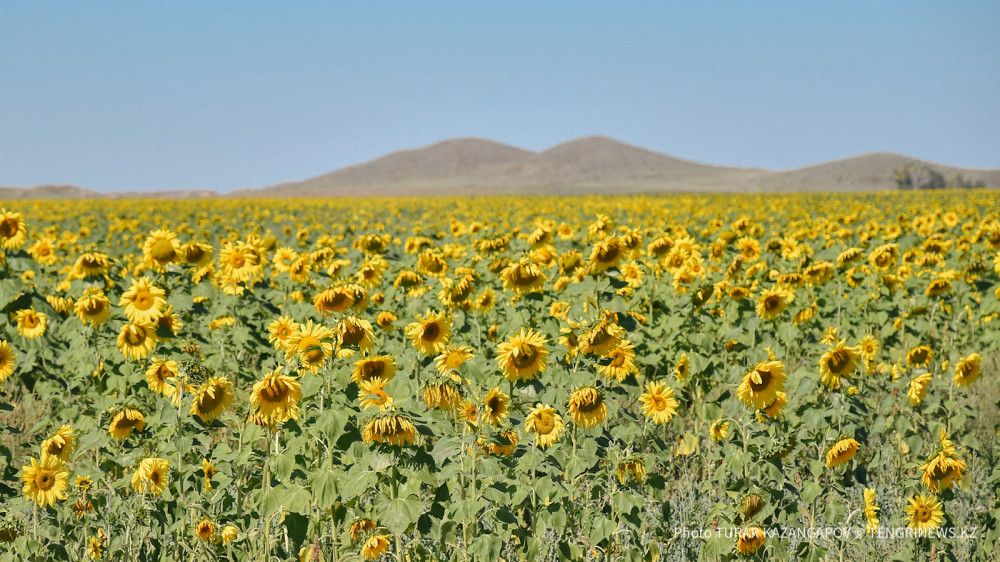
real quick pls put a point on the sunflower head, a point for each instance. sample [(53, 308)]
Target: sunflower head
[(587, 407), (391, 428)]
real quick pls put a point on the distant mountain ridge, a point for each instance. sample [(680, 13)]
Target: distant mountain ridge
[(594, 164)]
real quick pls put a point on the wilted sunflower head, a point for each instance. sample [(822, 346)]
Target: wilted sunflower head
[(842, 451), (390, 427), (212, 398), (124, 421), (919, 356), (277, 397), (546, 424), (839, 362), (587, 407), (381, 366)]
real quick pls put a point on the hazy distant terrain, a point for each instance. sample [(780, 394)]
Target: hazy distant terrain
[(472, 166)]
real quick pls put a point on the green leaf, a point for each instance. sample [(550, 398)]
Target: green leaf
[(400, 513)]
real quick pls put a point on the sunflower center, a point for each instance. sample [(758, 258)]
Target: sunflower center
[(194, 253), (135, 336), (45, 480), (154, 477), (545, 423), (311, 349), (208, 403), (274, 393), (608, 253), (923, 514), (8, 227), (772, 302), (93, 307), (765, 381), (352, 335), (525, 357), (162, 250), (659, 403), (30, 321), (143, 301), (839, 361), (431, 332), (589, 404), (237, 260)]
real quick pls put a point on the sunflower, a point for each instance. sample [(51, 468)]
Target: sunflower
[(452, 358), (871, 511), (774, 301), (840, 362), (276, 397), (136, 341), (212, 398), (391, 427), (682, 370), (239, 261), (158, 373), (143, 302), (45, 482), (601, 338), (372, 394), (621, 364), (60, 444), (750, 540), (379, 366), (523, 277), (43, 252), (8, 360), (125, 421), (605, 254), (196, 254), (938, 287), (924, 513), (280, 332), (309, 346), (386, 320), (89, 265), (841, 452), (161, 248), (546, 424), (658, 402), (13, 231), (966, 371), (496, 407), (205, 530), (93, 307), (868, 347), (760, 387), (151, 476), (587, 407), (30, 324), (918, 388), (337, 299), (208, 470), (353, 332), (523, 356), (919, 356), (375, 546), (431, 332), (774, 410), (631, 469), (719, 429)]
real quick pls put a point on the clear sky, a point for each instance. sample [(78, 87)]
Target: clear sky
[(174, 95)]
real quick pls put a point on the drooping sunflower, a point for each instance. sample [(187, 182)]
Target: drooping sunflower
[(205, 530), (496, 407), (378, 366), (8, 360), (30, 324), (750, 540), (523, 356), (136, 341), (90, 265), (837, 363), (208, 471), (372, 394), (60, 444), (631, 469), (719, 429), (942, 471), (619, 363), (658, 402), (197, 254), (277, 397), (431, 332), (602, 337), (444, 393), (375, 546), (760, 387), (212, 398), (774, 301), (605, 254), (354, 334), (966, 371), (151, 476), (523, 277), (361, 527), (546, 424), (774, 410), (587, 407), (924, 513), (682, 370), (452, 358), (161, 249), (391, 427), (157, 374), (125, 421), (841, 452), (337, 299), (93, 307), (310, 346), (871, 511), (45, 481), (143, 301), (386, 320), (919, 356), (918, 388)]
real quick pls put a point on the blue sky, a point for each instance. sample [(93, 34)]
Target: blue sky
[(140, 95)]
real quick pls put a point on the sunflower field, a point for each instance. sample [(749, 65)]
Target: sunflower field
[(677, 377)]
